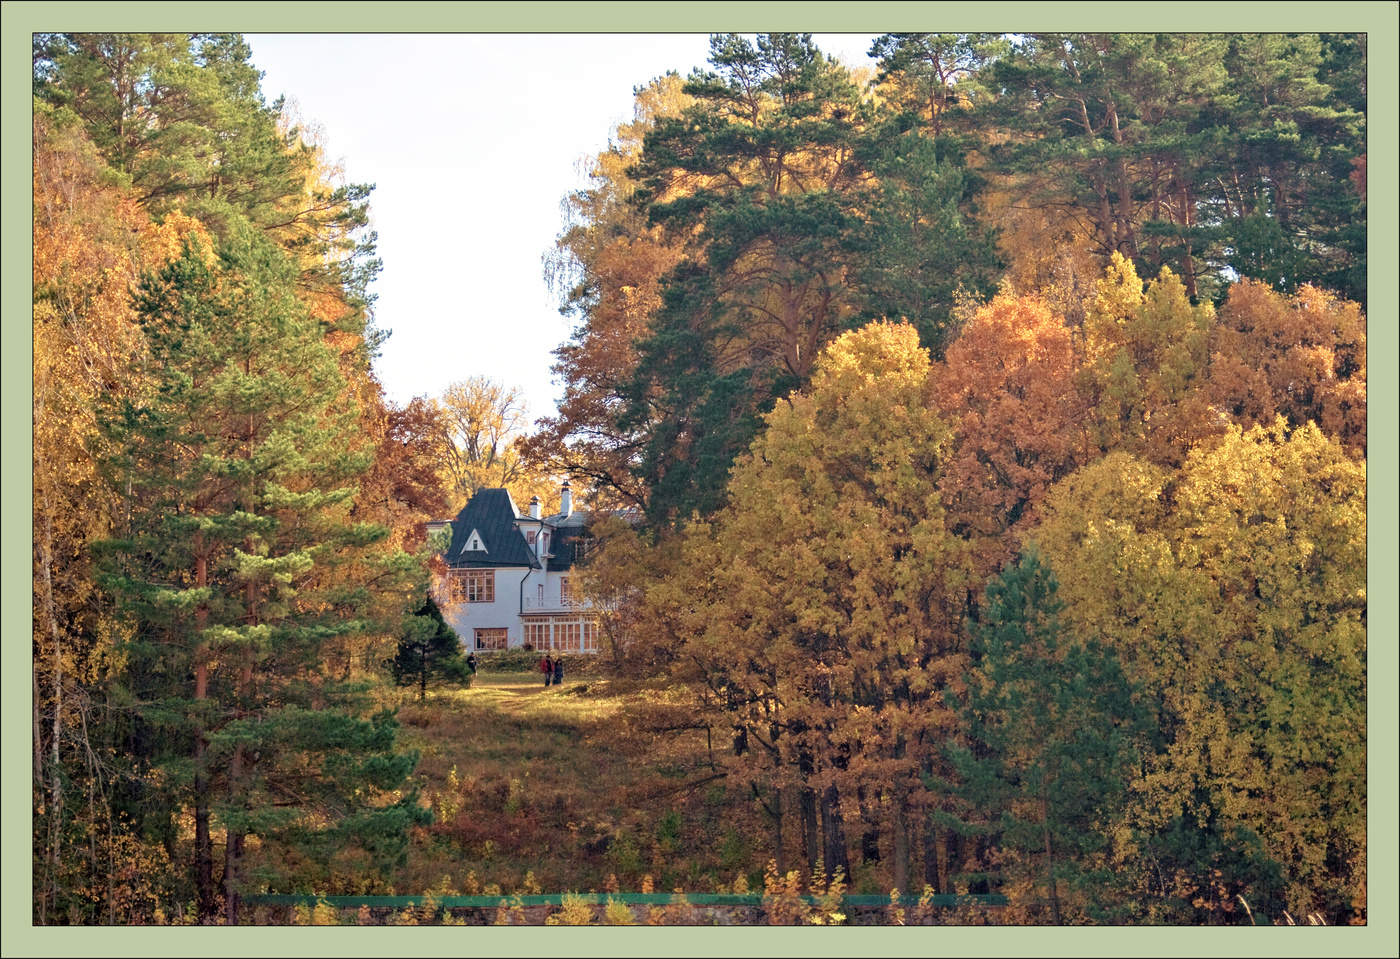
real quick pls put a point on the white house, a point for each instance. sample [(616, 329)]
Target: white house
[(510, 580)]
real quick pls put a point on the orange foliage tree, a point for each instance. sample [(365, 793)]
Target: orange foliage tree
[(1302, 357), (608, 266), (1007, 389), (91, 239)]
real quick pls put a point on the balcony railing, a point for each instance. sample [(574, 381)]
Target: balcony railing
[(534, 605)]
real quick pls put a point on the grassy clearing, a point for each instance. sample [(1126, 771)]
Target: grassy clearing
[(567, 789)]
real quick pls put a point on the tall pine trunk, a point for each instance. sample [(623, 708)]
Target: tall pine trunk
[(233, 858), (1049, 861), (807, 814), (834, 854), (233, 846), (929, 837), (203, 845), (900, 827)]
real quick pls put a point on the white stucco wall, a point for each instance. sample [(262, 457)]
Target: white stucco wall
[(502, 612)]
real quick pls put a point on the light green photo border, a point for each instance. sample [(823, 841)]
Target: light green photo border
[(22, 17)]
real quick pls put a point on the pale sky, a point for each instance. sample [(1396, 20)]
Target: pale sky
[(472, 141)]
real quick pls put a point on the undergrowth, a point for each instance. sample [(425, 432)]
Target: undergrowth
[(567, 784)]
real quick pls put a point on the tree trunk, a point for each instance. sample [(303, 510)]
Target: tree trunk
[(203, 845), (1188, 265), (807, 813), (834, 854), (952, 859), (233, 845), (930, 844), (870, 844), (46, 887), (1049, 862), (870, 830), (779, 857), (1127, 233), (49, 606), (233, 858), (901, 844)]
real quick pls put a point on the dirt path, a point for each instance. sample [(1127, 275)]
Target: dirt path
[(522, 693)]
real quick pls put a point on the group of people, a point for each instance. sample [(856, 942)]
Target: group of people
[(553, 669)]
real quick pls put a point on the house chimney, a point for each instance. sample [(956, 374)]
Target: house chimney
[(534, 507), (566, 501)]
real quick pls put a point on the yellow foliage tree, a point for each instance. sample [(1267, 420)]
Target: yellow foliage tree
[(91, 239), (816, 607), (1145, 365), (1234, 590), (484, 424)]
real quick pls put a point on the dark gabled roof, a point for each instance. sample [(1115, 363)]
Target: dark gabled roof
[(492, 514)]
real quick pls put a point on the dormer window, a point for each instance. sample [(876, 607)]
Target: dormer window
[(474, 543)]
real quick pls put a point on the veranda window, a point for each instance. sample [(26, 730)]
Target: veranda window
[(537, 635)]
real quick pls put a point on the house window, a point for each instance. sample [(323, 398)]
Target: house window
[(472, 586), (566, 636), (590, 637), (537, 635), (566, 592), (540, 593), (495, 638)]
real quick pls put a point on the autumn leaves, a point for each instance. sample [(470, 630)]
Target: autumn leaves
[(1208, 569), (224, 502)]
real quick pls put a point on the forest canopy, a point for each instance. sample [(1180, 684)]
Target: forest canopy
[(991, 423), (886, 366)]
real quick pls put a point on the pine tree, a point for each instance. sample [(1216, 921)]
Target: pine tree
[(428, 648), (1053, 723), (802, 214), (238, 465), (183, 116)]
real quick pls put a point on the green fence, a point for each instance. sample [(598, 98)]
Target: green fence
[(599, 899)]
